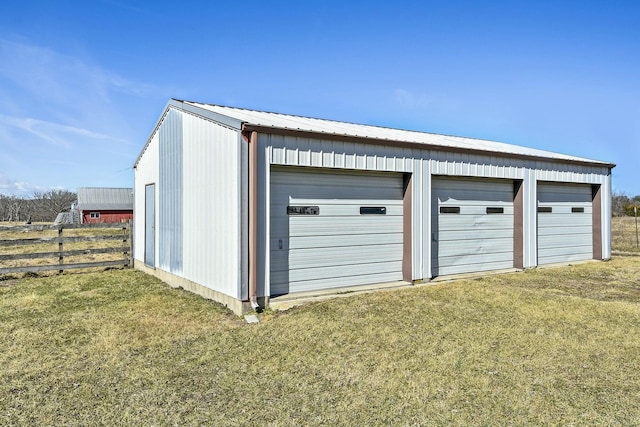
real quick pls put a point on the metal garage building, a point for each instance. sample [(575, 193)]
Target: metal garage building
[(241, 206)]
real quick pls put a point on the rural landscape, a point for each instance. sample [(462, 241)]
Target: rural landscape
[(417, 213), (113, 346)]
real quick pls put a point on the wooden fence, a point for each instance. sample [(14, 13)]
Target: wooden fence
[(77, 238)]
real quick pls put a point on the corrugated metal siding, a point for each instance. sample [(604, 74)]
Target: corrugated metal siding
[(296, 151), (170, 193), (211, 205), (563, 235), (471, 239), (339, 246), (146, 172), (110, 199)]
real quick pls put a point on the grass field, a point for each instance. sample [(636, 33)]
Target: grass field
[(623, 234), (541, 347)]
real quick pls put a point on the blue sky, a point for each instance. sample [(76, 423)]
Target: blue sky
[(82, 83)]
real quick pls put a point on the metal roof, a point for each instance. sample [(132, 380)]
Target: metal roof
[(99, 198), (326, 129), (330, 127)]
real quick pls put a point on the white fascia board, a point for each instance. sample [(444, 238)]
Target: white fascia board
[(207, 114)]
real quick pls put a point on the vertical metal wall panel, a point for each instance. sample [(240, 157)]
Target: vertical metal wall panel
[(606, 217), (150, 225), (211, 203), (565, 230), (170, 193), (530, 220), (145, 173), (467, 236), (338, 245)]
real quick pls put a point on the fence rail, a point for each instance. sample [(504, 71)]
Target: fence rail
[(78, 254)]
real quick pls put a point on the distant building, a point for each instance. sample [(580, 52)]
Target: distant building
[(105, 204)]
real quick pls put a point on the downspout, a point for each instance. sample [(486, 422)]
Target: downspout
[(253, 219)]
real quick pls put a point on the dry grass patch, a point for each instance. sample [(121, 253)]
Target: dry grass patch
[(623, 234), (557, 346)]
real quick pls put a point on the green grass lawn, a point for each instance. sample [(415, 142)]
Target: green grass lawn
[(543, 347)]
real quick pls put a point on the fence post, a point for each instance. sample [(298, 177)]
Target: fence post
[(131, 243), (635, 213), (60, 247)]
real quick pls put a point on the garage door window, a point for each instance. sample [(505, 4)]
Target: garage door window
[(545, 209), (449, 209), (372, 210), (492, 211), (577, 210), (303, 210)]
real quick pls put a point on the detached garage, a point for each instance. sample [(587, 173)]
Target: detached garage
[(244, 206)]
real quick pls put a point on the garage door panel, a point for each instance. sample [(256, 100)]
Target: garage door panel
[(339, 208), (374, 189), (324, 242), (468, 188), (563, 234), (279, 288), (349, 255), (475, 265), (564, 220), (327, 226), (470, 222), (562, 231), (334, 272), (561, 256), (484, 233), (475, 237), (564, 193), (549, 242), (339, 246), (475, 246)]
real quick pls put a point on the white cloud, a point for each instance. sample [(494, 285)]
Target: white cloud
[(12, 187), (54, 133)]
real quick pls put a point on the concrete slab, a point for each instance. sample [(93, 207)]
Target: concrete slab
[(288, 301), (251, 318)]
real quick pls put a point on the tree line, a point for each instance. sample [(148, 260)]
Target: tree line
[(45, 206), (40, 207), (622, 205)]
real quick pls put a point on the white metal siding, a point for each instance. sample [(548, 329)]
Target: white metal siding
[(211, 200), (470, 239), (170, 192), (145, 173), (563, 235), (339, 247)]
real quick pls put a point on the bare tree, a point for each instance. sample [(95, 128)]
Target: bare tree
[(49, 204), (619, 201)]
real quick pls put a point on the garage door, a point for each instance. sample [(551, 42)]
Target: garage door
[(472, 226), (564, 223), (334, 229)]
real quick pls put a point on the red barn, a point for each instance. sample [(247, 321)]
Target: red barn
[(105, 204)]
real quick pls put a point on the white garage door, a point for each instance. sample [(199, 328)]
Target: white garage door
[(334, 229), (564, 223), (472, 226)]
